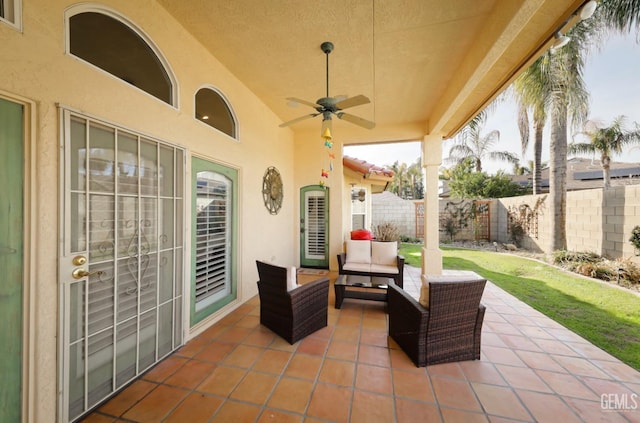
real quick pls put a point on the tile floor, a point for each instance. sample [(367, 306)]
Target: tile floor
[(532, 369)]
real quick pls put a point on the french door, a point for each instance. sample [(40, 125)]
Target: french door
[(314, 226), (120, 260)]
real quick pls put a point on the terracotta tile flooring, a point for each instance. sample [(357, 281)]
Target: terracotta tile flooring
[(532, 369)]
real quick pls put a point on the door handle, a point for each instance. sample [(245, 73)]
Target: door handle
[(83, 273)]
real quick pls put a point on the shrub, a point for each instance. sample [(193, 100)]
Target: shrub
[(635, 238), (621, 271), (562, 257), (386, 232), (517, 232)]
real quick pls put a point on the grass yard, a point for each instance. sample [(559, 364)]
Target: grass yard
[(607, 317)]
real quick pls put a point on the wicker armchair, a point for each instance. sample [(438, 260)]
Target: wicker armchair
[(291, 314), (449, 330)]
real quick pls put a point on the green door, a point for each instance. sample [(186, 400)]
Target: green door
[(11, 259), (314, 226)]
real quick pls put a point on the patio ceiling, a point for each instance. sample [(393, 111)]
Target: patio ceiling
[(427, 65)]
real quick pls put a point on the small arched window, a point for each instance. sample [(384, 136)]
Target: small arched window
[(213, 109), (116, 47)]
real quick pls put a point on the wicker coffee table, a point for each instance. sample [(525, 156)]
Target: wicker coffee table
[(368, 288)]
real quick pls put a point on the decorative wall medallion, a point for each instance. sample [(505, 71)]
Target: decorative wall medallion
[(272, 190)]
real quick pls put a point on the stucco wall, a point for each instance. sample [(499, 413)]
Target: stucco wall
[(36, 68)]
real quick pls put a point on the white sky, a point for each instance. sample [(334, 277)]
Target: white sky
[(612, 76)]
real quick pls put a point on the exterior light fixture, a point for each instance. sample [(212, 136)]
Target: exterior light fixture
[(361, 195), (561, 41), (588, 9)]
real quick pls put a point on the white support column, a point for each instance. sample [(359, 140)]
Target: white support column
[(431, 160)]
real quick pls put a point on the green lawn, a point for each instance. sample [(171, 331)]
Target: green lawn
[(606, 316)]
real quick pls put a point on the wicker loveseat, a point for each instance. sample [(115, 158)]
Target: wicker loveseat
[(291, 314), (372, 258), (448, 330)]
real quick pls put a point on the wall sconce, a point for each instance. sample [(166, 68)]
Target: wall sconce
[(561, 41), (587, 10), (358, 195)]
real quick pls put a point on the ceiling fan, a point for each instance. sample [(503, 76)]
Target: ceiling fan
[(328, 106)]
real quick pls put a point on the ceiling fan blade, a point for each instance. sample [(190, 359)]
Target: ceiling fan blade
[(296, 120), (352, 102), (305, 102), (356, 120)]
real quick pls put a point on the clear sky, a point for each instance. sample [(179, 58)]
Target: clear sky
[(612, 76)]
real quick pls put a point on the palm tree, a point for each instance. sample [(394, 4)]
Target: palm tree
[(620, 15), (414, 175), (532, 93), (520, 170), (399, 178), (606, 141), (470, 143), (558, 91)]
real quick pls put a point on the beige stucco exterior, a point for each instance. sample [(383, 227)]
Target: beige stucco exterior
[(36, 68), (37, 71)]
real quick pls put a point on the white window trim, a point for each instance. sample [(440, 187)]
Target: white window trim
[(16, 7), (98, 8)]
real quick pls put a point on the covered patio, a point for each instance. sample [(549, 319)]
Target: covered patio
[(532, 369)]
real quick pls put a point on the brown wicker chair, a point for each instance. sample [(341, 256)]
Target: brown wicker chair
[(291, 314), (449, 330)]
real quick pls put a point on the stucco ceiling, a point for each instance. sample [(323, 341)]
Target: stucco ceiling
[(428, 66)]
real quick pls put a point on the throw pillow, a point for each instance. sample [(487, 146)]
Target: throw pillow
[(384, 253), (361, 234), (358, 251)]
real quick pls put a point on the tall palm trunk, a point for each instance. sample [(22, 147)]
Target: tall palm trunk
[(558, 177), (537, 156), (606, 171)]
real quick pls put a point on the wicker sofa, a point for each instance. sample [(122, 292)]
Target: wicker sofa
[(372, 258), (449, 329), (292, 314)]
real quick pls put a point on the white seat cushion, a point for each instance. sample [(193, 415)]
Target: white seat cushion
[(358, 251), (385, 253), (379, 268), (292, 278), (424, 292), (357, 267)]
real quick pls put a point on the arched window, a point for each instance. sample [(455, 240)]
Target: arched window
[(213, 109), (109, 42)]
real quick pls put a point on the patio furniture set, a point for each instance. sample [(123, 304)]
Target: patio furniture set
[(444, 325)]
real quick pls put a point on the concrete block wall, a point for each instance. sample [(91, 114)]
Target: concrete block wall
[(388, 207), (598, 220), (468, 233)]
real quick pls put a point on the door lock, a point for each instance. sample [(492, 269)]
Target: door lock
[(79, 260)]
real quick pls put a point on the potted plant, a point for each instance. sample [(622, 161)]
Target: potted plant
[(386, 232)]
